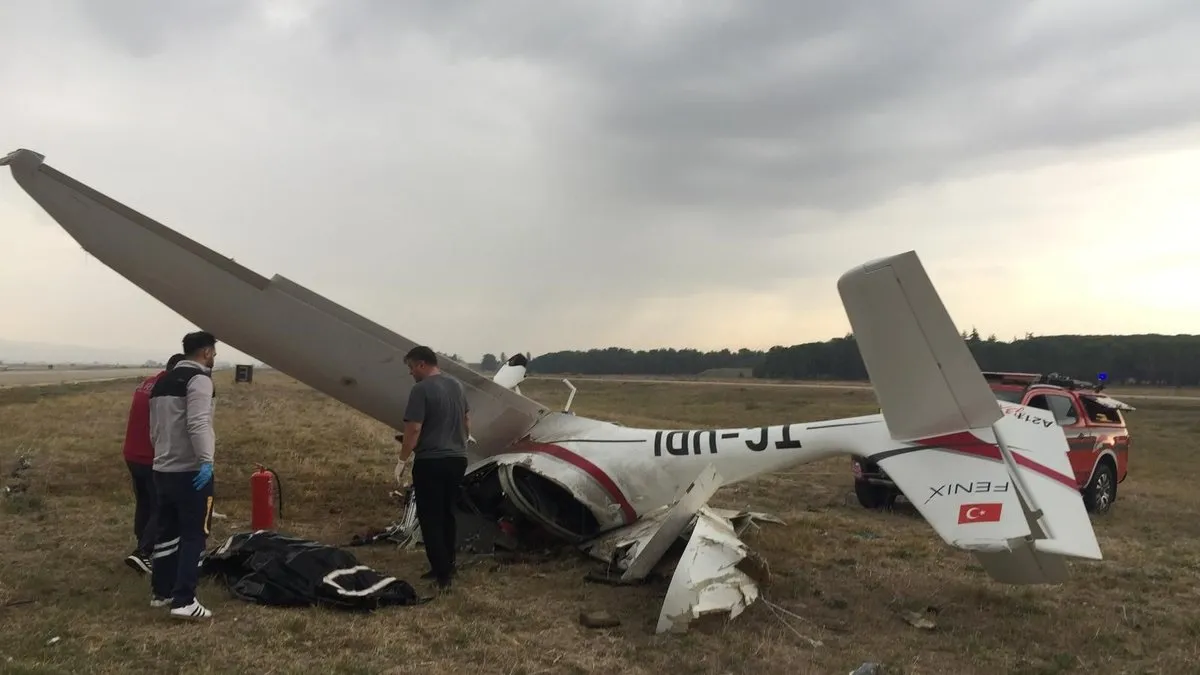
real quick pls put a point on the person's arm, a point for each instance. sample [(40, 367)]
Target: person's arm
[(466, 416), (130, 430), (414, 415), (412, 431), (199, 418)]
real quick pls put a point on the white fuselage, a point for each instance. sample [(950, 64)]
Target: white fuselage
[(622, 473)]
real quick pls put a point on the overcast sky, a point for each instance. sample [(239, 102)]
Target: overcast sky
[(520, 176)]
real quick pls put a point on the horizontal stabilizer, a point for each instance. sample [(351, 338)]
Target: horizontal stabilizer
[(970, 501), (1019, 511)]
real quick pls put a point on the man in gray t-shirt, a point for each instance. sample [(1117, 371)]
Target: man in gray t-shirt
[(436, 429)]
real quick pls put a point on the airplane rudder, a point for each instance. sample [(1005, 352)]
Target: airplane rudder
[(924, 376)]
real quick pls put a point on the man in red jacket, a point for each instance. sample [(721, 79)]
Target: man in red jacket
[(139, 457)]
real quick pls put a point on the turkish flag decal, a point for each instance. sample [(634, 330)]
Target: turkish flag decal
[(979, 513)]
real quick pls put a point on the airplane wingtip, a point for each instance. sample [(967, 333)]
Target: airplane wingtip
[(22, 156)]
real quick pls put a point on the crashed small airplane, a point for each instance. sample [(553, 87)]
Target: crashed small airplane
[(625, 495)]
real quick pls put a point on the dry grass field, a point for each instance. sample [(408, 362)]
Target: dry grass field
[(844, 575)]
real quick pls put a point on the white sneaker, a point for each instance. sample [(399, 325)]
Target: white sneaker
[(192, 612), (157, 602)]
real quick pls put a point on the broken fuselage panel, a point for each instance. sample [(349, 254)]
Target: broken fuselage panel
[(521, 487)]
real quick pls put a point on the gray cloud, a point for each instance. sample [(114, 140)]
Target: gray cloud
[(144, 28), (534, 169), (736, 105)]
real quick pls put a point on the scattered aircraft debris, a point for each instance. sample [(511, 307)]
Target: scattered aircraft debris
[(707, 578), (625, 494), (18, 481)]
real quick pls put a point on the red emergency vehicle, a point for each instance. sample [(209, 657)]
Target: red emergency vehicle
[(1098, 439)]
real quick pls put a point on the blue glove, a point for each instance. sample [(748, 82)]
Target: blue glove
[(203, 476)]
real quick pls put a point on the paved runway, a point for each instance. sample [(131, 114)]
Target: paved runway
[(25, 378), (808, 385), (17, 378)]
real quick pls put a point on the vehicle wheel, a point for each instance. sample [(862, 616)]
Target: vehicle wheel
[(871, 496), (1101, 492)]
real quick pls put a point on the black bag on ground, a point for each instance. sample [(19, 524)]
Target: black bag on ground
[(274, 569)]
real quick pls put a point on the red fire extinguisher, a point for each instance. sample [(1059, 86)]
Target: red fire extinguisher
[(264, 488)]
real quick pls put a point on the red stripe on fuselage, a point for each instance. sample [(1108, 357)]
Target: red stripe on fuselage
[(968, 443), (587, 467)]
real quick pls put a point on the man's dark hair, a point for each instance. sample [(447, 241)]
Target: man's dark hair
[(174, 360), (194, 342), (423, 354)]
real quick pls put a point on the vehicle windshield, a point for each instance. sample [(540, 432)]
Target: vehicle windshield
[(1009, 396), (1101, 414)]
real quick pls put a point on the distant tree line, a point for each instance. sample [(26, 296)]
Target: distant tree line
[(491, 363), (1148, 359), (616, 360)]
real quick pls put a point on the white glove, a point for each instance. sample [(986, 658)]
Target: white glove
[(470, 439), (401, 470)]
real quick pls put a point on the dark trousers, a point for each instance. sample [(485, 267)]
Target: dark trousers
[(436, 483), (144, 510), (184, 518)]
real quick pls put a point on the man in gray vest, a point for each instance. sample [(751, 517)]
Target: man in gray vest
[(436, 429), (181, 412)]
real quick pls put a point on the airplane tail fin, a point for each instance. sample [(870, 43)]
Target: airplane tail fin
[(999, 485)]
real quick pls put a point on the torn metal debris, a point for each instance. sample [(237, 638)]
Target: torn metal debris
[(18, 480), (707, 578), (716, 571)]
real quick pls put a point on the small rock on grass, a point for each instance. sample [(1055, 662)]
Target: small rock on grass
[(598, 619), (923, 620)]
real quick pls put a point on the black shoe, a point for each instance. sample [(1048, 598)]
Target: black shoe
[(140, 563), (433, 575)]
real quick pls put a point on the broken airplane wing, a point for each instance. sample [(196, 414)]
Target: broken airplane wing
[(342, 354)]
